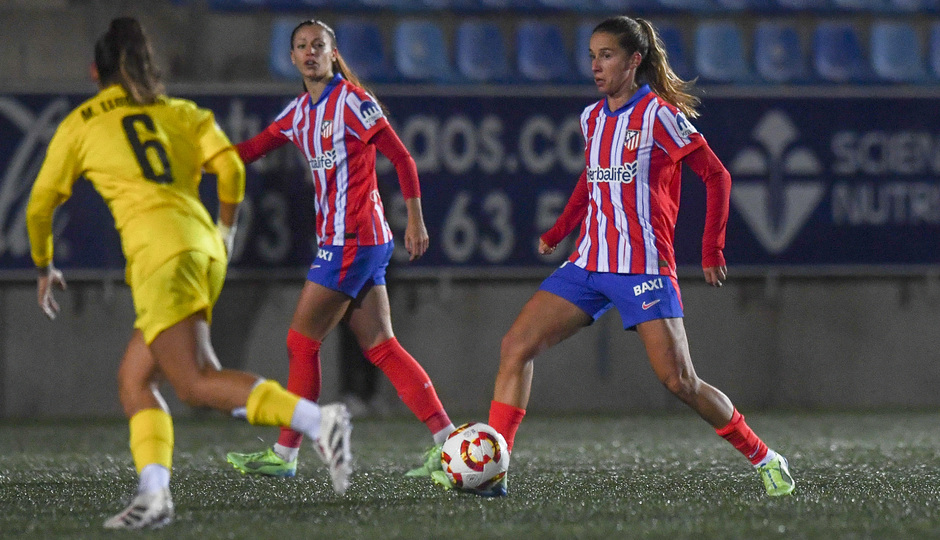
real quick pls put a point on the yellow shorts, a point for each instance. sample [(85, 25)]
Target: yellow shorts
[(188, 283)]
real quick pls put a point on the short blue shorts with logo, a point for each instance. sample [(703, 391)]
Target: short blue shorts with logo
[(638, 297), (350, 269)]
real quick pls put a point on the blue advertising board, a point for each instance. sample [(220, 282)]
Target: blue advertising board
[(847, 182)]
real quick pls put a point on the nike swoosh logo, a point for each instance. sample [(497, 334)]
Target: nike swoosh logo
[(647, 305), (315, 266)]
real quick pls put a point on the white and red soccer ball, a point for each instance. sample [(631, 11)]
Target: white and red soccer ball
[(475, 457)]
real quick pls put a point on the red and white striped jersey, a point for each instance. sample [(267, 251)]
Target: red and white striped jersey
[(333, 133), (633, 174)]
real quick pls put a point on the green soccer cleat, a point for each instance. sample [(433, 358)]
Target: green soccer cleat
[(432, 462), (776, 476), (265, 463)]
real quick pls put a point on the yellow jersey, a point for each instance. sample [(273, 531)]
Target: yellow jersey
[(146, 162)]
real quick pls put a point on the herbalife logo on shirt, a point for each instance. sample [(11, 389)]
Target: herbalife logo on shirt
[(623, 174), (324, 161), (779, 199)]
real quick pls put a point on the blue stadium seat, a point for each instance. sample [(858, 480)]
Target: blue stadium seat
[(421, 52), (914, 6), (279, 64), (676, 50), (363, 47), (744, 5), (581, 6), (541, 53), (935, 50), (393, 5), (720, 56), (778, 54), (482, 54), (896, 53), (582, 46), (688, 5), (860, 5), (818, 6), (838, 55)]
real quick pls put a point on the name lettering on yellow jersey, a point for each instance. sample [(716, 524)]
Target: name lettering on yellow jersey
[(111, 104)]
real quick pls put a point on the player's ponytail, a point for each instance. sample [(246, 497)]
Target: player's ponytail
[(339, 64), (123, 55), (638, 35)]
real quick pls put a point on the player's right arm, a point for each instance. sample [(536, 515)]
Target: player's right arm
[(573, 214), (259, 145), (53, 186), (230, 174)]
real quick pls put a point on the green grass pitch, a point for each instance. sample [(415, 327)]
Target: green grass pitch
[(859, 475)]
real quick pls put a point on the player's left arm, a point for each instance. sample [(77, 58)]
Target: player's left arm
[(416, 233), (717, 179)]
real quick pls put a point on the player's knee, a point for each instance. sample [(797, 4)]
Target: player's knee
[(516, 349), (191, 394), (682, 383)]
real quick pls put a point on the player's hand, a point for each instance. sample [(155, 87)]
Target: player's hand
[(416, 238), (228, 236), (48, 278), (545, 249), (715, 275)]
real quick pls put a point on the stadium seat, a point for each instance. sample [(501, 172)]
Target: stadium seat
[(819, 6), (778, 54), (838, 55), (935, 50), (864, 6), (684, 6), (363, 47), (582, 46), (896, 53), (720, 56), (676, 50), (581, 6), (745, 5), (279, 63), (541, 53), (421, 51), (481, 51), (914, 6)]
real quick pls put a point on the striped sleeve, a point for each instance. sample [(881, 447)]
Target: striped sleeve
[(673, 132)]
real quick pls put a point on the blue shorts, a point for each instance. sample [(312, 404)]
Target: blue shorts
[(350, 269), (638, 297)]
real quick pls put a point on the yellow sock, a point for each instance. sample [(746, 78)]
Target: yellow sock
[(270, 405), (152, 438)]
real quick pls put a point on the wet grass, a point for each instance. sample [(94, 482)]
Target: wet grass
[(859, 476)]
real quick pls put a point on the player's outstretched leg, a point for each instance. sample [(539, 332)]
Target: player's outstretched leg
[(333, 444), (147, 511)]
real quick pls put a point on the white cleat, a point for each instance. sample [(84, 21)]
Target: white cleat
[(146, 511), (333, 444)]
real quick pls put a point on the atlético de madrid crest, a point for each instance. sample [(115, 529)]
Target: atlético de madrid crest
[(632, 140), (326, 129)]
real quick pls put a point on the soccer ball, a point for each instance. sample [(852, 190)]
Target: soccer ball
[(475, 457)]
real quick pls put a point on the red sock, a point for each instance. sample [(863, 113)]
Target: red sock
[(505, 419), (411, 382), (743, 438), (303, 377)]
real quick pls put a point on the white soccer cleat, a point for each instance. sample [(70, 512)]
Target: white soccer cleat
[(333, 444), (146, 511)]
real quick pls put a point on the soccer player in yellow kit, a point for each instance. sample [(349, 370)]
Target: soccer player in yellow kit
[(144, 153)]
